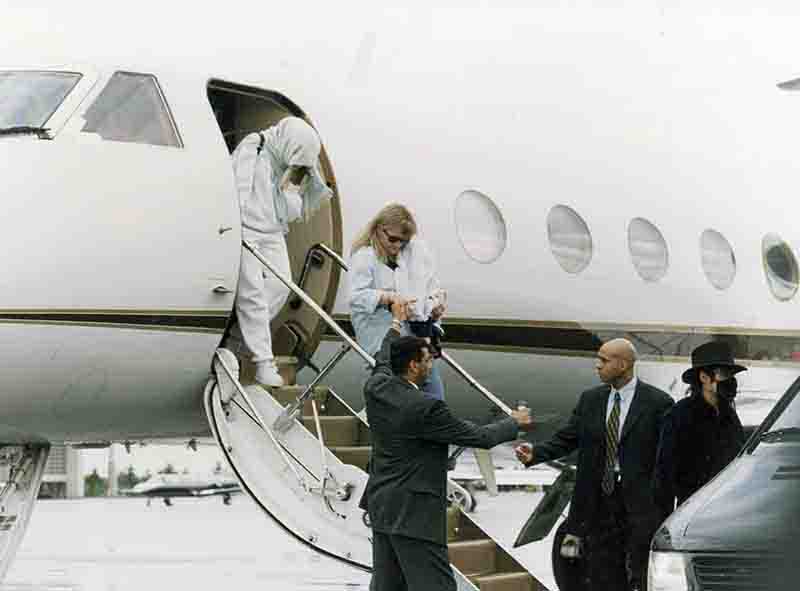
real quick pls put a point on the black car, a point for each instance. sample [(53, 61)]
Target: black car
[(742, 530)]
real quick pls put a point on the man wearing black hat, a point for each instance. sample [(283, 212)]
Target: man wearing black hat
[(702, 433)]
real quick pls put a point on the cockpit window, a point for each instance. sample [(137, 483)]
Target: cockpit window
[(131, 108), (28, 99)]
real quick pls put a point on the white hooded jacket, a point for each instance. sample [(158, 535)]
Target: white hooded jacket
[(265, 207)]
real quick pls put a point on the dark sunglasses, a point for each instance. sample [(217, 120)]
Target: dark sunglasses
[(394, 239), (720, 373)]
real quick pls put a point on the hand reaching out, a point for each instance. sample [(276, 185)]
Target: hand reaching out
[(524, 453), (439, 298)]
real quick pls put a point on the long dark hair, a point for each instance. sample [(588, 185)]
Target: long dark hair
[(695, 386)]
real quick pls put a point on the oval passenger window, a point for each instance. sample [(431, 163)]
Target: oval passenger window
[(648, 249), (717, 259), (569, 237), (780, 267), (480, 226)]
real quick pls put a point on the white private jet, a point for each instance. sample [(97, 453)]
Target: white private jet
[(170, 486), (581, 174)]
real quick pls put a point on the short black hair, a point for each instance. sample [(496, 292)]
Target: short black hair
[(405, 350)]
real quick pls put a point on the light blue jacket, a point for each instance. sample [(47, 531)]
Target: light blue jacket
[(414, 277)]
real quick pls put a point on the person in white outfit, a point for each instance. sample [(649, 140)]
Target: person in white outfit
[(278, 181)]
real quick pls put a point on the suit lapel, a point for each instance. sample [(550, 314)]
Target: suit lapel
[(636, 407), (602, 408)]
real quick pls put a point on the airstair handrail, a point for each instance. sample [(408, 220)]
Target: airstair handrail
[(315, 257), (292, 411), (311, 303), (333, 324), (476, 384), (331, 253)]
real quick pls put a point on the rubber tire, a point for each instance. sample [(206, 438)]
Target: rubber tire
[(568, 572)]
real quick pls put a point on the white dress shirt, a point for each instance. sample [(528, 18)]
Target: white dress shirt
[(626, 394)]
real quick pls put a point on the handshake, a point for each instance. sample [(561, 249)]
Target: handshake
[(523, 451)]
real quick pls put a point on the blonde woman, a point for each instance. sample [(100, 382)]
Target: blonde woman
[(389, 263)]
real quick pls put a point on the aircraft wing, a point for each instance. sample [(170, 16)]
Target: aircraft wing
[(220, 490)]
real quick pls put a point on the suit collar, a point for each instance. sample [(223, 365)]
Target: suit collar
[(406, 384), (627, 391)]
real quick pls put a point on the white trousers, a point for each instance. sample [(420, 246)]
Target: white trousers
[(261, 295)]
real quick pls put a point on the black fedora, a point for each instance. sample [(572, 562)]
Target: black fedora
[(713, 354)]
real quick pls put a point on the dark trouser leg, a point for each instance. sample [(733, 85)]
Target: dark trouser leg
[(386, 572), (640, 532), (425, 565), (606, 547)]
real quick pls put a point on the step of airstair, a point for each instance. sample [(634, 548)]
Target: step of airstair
[(474, 557), (487, 565), (338, 431), (354, 455), (344, 434), (516, 581), (287, 368)]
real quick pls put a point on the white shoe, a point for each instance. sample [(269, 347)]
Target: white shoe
[(267, 375)]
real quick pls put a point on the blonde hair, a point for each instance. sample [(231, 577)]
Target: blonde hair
[(393, 214)]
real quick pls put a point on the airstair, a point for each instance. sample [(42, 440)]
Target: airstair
[(25, 469), (301, 453)]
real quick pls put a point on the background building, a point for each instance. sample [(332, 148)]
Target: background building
[(63, 476)]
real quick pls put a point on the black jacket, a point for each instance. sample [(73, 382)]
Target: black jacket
[(407, 489), (696, 443), (586, 432)]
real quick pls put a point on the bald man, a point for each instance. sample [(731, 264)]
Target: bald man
[(616, 429)]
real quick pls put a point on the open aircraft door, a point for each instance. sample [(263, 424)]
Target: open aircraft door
[(550, 512)]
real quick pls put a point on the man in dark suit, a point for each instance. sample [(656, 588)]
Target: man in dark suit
[(615, 428), (406, 494)]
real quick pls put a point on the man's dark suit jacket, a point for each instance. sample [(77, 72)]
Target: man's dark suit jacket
[(407, 489), (586, 432)]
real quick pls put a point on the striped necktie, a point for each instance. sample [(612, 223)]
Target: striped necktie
[(612, 441)]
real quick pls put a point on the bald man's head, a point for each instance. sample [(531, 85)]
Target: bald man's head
[(615, 362), (622, 348)]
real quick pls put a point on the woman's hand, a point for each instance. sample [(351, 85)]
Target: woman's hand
[(399, 307), (438, 312), (439, 297)]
